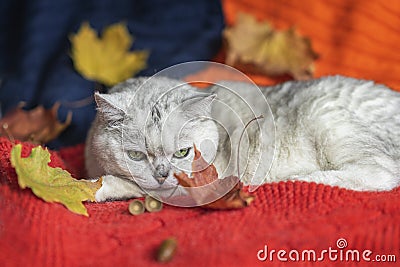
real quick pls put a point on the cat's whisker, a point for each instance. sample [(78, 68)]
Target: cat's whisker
[(173, 191)]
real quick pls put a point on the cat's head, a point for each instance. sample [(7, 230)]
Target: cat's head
[(150, 128)]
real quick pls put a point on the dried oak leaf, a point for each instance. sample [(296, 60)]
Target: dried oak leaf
[(38, 125), (256, 45), (52, 184), (107, 59), (205, 186)]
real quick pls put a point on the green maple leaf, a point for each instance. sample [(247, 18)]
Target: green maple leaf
[(52, 184)]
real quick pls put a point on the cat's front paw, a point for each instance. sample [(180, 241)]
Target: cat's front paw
[(115, 188), (104, 193)]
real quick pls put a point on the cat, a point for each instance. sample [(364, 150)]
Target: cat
[(335, 130)]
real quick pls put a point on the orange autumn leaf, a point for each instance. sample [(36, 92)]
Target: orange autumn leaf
[(205, 185), (258, 47), (38, 125)]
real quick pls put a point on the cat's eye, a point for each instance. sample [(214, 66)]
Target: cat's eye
[(136, 155), (181, 153)]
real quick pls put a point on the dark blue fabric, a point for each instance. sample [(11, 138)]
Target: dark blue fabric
[(34, 48)]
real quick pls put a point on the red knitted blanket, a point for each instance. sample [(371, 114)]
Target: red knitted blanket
[(301, 223)]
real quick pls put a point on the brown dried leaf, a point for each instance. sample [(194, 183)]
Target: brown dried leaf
[(37, 125), (206, 174), (258, 46)]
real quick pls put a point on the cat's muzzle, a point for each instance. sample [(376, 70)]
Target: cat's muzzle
[(161, 180)]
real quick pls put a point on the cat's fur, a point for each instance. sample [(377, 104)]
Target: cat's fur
[(336, 130)]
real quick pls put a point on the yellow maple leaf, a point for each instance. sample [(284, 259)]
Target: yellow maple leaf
[(107, 59), (52, 184), (271, 52)]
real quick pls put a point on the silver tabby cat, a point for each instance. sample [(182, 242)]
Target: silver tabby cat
[(335, 130)]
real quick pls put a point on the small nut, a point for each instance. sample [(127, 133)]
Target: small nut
[(136, 207), (152, 205), (166, 250)]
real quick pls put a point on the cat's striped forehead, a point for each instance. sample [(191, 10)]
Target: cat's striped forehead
[(159, 113), (158, 137)]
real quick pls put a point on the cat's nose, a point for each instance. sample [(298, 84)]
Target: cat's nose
[(162, 173)]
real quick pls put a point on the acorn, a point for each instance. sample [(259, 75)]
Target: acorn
[(136, 207), (152, 205), (166, 250)]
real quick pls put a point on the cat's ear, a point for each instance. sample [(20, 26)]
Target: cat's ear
[(198, 106), (107, 105)]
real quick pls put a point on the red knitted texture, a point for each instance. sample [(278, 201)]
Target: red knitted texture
[(288, 216)]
